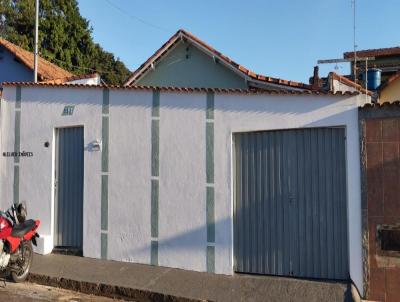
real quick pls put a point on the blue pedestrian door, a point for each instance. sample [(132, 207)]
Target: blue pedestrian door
[(69, 188)]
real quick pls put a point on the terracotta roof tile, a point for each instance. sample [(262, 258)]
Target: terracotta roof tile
[(381, 105), (46, 70), (377, 52), (71, 78), (187, 89), (182, 33), (350, 83)]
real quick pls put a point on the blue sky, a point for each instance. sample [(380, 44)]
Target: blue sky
[(279, 38)]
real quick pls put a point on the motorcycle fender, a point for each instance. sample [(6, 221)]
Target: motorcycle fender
[(32, 232)]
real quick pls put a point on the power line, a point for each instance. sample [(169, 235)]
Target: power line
[(135, 17)]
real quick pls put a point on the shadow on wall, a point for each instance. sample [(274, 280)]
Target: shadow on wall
[(194, 239)]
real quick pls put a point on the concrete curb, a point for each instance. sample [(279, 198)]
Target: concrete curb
[(105, 290)]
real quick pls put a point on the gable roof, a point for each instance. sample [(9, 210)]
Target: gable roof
[(46, 70), (377, 52), (184, 35)]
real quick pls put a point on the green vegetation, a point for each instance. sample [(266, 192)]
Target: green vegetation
[(64, 37)]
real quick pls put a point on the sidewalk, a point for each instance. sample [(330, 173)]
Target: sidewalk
[(149, 283)]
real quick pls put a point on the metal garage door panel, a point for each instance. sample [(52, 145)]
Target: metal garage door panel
[(290, 203), (69, 189)]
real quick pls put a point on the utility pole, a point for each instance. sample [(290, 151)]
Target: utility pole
[(355, 45), (35, 67)]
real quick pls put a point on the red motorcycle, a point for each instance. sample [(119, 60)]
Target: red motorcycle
[(16, 237)]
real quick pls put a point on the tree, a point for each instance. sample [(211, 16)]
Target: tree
[(65, 37)]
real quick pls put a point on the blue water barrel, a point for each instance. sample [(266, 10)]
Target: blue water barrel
[(374, 78)]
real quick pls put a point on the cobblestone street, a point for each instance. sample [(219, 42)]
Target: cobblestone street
[(29, 292)]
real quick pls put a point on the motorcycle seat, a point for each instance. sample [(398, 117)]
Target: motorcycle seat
[(21, 229)]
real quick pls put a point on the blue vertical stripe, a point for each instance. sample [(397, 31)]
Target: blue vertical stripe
[(210, 106), (17, 134), (104, 246), (155, 149), (210, 194), (104, 202), (106, 101), (210, 152), (210, 215), (154, 208), (18, 97), (155, 110), (16, 184), (154, 252), (104, 153), (104, 169), (210, 259), (155, 140)]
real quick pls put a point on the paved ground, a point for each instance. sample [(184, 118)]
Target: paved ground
[(154, 283), (29, 292)]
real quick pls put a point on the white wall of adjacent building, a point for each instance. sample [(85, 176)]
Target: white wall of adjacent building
[(182, 225)]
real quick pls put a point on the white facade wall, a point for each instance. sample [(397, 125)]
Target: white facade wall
[(182, 236)]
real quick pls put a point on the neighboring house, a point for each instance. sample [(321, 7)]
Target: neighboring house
[(85, 79), (335, 83), (218, 180), (16, 65), (186, 61), (389, 91), (386, 59)]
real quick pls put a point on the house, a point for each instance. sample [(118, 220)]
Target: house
[(222, 180), (389, 91), (335, 82), (386, 59), (186, 61), (16, 65)]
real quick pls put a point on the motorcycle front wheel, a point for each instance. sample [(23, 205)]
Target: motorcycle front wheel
[(24, 263)]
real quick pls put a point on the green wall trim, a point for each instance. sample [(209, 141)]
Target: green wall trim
[(18, 93), (16, 184), (210, 106), (210, 152), (104, 246), (106, 101), (211, 259), (154, 208), (155, 110), (155, 170), (17, 134), (155, 140), (210, 215), (104, 202), (104, 153), (154, 252)]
